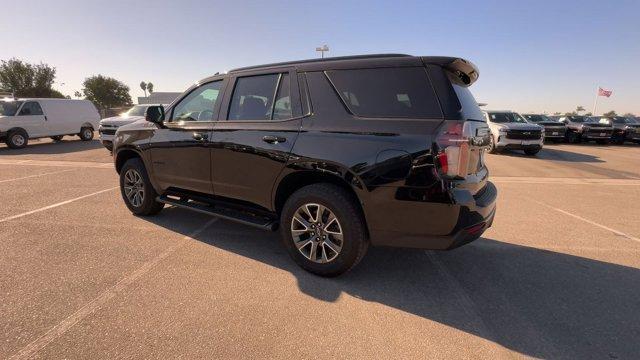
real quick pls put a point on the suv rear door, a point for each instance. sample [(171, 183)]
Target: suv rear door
[(259, 123)]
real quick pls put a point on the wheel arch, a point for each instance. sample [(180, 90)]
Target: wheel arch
[(17, 128), (123, 155), (87, 124), (296, 180)]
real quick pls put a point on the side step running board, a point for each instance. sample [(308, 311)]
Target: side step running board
[(223, 213)]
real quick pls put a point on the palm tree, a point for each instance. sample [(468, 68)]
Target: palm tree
[(150, 88), (579, 108), (143, 86)]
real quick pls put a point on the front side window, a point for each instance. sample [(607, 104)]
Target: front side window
[(253, 98), (199, 104), (9, 108), (31, 108), (387, 92)]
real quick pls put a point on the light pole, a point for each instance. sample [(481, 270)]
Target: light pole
[(322, 49)]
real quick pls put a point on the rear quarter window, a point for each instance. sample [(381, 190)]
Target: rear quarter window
[(387, 92)]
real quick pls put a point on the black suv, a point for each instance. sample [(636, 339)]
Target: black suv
[(624, 129), (337, 153), (554, 130), (581, 128)]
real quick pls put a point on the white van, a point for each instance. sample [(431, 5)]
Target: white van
[(24, 119)]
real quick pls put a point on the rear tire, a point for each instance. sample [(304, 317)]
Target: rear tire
[(17, 139), (602, 142), (330, 220), (86, 134), (136, 189), (531, 152), (57, 138)]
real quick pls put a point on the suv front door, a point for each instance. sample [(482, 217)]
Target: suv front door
[(180, 149), (259, 123)]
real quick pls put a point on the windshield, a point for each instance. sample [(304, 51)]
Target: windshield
[(137, 110), (538, 118), (624, 120), (577, 119), (506, 117), (9, 108), (592, 120)]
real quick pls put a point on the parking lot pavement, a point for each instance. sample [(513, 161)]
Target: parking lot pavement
[(558, 275)]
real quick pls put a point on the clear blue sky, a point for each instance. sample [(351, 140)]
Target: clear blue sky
[(533, 56)]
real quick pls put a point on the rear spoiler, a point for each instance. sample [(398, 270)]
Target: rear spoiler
[(463, 70)]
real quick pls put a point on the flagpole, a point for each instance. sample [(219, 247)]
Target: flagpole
[(595, 102)]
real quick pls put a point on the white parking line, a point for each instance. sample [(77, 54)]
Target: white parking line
[(564, 181), (617, 232), (13, 217), (37, 175), (66, 324)]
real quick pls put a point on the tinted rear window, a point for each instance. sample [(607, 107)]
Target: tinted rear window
[(387, 92)]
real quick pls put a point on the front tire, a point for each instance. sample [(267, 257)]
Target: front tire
[(136, 189), (17, 139), (57, 138), (532, 152), (492, 145), (602, 142), (323, 229), (574, 138), (86, 134)]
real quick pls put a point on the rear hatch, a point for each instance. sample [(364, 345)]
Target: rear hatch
[(464, 135)]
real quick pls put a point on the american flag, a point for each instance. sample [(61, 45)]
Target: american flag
[(604, 92)]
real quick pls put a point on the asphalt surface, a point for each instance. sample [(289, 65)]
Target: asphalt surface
[(557, 276)]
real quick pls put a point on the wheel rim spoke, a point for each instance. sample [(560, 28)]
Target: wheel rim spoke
[(134, 187), (316, 233)]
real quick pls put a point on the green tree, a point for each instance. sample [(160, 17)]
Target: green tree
[(28, 80), (150, 88), (143, 86), (106, 92), (77, 94), (610, 113), (588, 114), (579, 108), (629, 115)]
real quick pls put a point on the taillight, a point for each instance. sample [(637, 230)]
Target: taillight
[(453, 149)]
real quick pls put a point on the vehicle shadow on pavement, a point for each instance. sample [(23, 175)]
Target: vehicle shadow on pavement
[(556, 154), (537, 302), (49, 147)]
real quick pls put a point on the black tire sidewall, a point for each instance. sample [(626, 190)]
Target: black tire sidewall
[(342, 205), (83, 137), (149, 205), (11, 135)]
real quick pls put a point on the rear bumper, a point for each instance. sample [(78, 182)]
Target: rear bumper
[(437, 226)]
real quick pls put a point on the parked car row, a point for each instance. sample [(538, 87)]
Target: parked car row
[(528, 132)]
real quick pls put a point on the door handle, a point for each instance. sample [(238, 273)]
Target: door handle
[(273, 139), (198, 136)]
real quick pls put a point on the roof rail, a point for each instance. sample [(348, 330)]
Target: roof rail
[(353, 57)]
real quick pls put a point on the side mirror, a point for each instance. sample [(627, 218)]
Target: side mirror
[(154, 114)]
